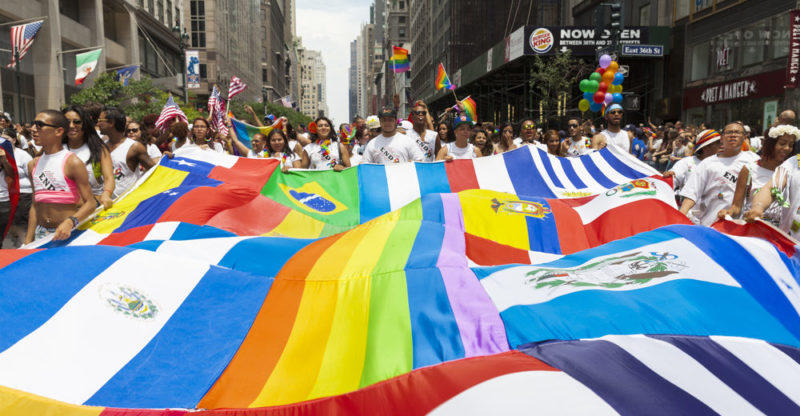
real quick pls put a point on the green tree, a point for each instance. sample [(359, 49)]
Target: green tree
[(294, 117), (550, 79)]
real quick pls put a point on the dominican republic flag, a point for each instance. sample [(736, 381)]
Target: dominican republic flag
[(236, 87), (22, 37)]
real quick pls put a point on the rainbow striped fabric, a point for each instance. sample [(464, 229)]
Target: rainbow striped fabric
[(441, 80), (399, 60), (470, 108)]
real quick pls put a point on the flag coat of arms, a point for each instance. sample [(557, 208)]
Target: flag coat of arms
[(85, 63)]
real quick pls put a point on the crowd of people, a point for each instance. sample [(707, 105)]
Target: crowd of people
[(73, 161)]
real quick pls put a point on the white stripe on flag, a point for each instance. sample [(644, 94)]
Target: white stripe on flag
[(540, 257), (561, 175), (223, 160), (591, 184), (680, 369), (403, 184), (607, 170), (632, 161), (492, 174), (525, 393), (88, 238), (209, 250), (603, 202), (537, 162), (72, 355), (771, 363), (162, 230)]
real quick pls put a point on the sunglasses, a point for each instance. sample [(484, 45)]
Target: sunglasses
[(76, 122), (132, 131), (39, 124), (528, 127), (420, 113)]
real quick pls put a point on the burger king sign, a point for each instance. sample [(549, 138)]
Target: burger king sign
[(541, 40)]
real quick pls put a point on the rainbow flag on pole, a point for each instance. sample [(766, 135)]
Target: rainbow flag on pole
[(441, 79), (399, 60), (470, 108)]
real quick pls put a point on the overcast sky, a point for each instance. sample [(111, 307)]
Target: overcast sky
[(329, 27)]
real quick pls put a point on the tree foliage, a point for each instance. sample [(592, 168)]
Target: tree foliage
[(551, 77)]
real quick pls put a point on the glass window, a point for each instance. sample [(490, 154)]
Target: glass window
[(700, 58), (779, 37), (702, 4), (753, 43), (203, 73), (723, 51)]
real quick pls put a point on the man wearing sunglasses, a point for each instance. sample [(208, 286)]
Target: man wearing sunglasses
[(613, 134), (576, 143), (427, 140), (60, 182)]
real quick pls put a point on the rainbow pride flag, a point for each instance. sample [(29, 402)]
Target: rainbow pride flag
[(244, 132), (442, 82), (399, 60), (470, 108)]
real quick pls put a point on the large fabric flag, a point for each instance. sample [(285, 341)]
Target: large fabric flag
[(170, 111), (442, 81), (85, 63), (22, 37), (124, 74), (399, 60), (237, 86)]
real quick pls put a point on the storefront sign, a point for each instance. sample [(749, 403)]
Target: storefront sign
[(515, 44), (581, 40), (793, 68), (761, 85)]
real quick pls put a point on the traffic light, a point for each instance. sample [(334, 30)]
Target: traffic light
[(617, 19)]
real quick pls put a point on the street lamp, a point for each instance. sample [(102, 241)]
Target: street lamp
[(183, 38)]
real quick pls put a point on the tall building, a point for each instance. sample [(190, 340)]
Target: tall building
[(130, 32), (352, 93), (222, 32), (313, 86), (366, 56), (276, 63), (395, 33), (320, 78)]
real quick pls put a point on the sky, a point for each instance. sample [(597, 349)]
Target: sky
[(329, 27)]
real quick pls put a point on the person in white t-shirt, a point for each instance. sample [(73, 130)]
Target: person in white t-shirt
[(754, 175), (461, 148), (427, 140), (391, 146), (324, 151), (576, 144), (707, 145), (714, 180), (201, 135), (19, 224), (613, 134)]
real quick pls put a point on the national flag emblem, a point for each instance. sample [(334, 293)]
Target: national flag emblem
[(22, 38), (169, 112), (124, 74), (85, 63), (236, 87)]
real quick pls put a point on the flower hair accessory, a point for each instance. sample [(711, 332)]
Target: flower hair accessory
[(784, 129), (312, 127)]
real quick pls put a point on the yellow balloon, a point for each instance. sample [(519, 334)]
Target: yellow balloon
[(583, 105), (619, 88), (613, 66)]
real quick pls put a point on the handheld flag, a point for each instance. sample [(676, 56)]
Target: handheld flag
[(216, 111), (85, 63), (124, 74), (169, 112), (399, 60), (286, 101), (236, 87), (441, 79), (470, 108), (244, 132), (22, 38)]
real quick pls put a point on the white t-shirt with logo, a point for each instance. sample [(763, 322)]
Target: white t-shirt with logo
[(619, 139), (713, 183), (319, 160), (427, 144), (395, 149)]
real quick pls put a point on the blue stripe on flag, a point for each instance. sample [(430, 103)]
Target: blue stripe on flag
[(621, 167), (187, 165), (548, 167), (186, 357), (569, 170), (595, 172), (543, 232), (624, 382), (432, 178), (683, 306), (55, 275), (186, 231), (735, 373), (373, 192), (434, 331), (150, 245), (247, 255), (737, 261), (524, 176), (432, 208), (793, 353)]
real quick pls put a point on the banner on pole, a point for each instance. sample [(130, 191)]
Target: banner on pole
[(192, 69)]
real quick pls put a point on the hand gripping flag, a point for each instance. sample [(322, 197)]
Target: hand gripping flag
[(22, 37), (236, 87)]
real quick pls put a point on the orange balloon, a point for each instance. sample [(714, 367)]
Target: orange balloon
[(613, 66), (608, 77)]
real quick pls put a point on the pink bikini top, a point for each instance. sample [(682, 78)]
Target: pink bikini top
[(50, 185)]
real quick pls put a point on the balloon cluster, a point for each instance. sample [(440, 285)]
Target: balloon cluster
[(603, 87)]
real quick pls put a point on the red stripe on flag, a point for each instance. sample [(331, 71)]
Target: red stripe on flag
[(132, 236), (9, 256), (201, 204), (630, 219), (568, 222), (461, 175), (758, 229), (486, 252), (259, 216), (248, 173)]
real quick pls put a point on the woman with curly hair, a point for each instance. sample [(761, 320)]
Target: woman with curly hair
[(202, 135), (324, 151), (480, 139), (506, 142), (83, 140)]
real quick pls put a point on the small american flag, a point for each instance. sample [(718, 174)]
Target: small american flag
[(216, 109), (22, 38), (236, 87), (170, 111), (286, 101)]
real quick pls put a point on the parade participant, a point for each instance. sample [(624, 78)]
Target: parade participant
[(506, 142), (527, 133), (661, 156), (707, 145), (136, 131), (576, 143), (444, 134), (777, 147), (126, 154), (19, 224), (391, 146), (638, 146), (201, 135), (714, 181), (59, 181), (553, 142), (427, 140), (481, 141), (324, 151), (613, 133), (84, 142), (278, 148), (461, 148)]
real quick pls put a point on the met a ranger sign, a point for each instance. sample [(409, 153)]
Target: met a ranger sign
[(642, 50)]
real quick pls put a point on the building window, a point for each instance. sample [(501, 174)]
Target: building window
[(151, 7), (264, 75), (779, 37), (700, 58), (160, 9), (197, 23), (401, 19), (203, 73), (754, 43)]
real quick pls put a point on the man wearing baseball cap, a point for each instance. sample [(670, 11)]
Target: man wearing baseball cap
[(613, 134), (391, 146)]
